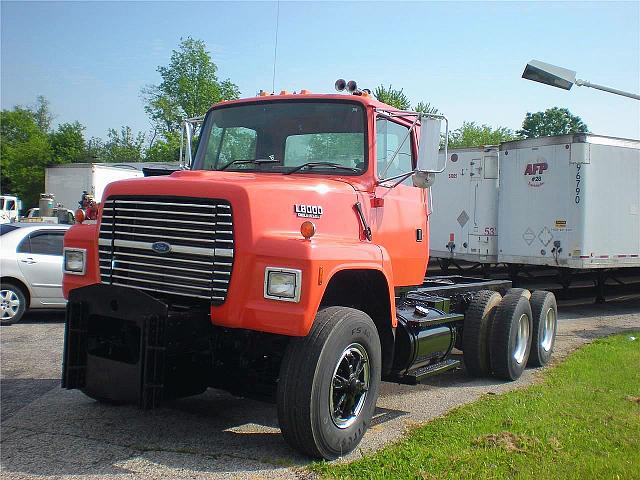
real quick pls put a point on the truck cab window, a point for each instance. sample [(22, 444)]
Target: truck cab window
[(227, 145), (281, 136), (344, 148), (389, 135)]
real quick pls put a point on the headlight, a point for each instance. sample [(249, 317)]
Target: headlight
[(75, 261), (282, 284)]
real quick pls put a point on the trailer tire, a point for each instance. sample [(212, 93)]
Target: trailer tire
[(519, 291), (545, 322), (475, 335), (310, 383), (510, 337)]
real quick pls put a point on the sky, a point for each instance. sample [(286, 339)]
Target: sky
[(91, 59)]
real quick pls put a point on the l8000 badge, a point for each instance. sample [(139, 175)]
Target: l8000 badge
[(307, 211)]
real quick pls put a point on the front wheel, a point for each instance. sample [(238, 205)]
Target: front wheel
[(13, 303), (329, 382)]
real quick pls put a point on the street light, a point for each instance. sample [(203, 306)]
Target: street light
[(563, 78)]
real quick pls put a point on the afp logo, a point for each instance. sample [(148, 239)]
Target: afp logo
[(535, 171)]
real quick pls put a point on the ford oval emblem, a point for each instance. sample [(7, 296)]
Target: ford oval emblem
[(161, 247)]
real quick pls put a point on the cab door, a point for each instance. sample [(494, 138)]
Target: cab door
[(399, 221), (40, 260)]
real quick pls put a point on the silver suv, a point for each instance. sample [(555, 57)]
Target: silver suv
[(31, 268)]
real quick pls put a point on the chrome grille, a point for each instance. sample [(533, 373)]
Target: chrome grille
[(200, 233)]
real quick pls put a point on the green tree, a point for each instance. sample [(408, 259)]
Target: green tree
[(25, 152), (473, 135), (188, 88), (425, 107), (553, 121), (390, 96), (42, 113), (95, 150), (166, 149), (67, 143), (122, 146)]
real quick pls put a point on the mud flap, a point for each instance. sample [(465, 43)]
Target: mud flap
[(115, 345)]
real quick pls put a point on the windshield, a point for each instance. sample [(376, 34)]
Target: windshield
[(283, 136)]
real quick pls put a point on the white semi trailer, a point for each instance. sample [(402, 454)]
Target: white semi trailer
[(67, 182), (570, 201), (464, 221)]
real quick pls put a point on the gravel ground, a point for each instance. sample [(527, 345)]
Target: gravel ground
[(47, 432)]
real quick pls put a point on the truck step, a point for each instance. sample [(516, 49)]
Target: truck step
[(414, 377)]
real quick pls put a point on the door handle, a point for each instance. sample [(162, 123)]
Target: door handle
[(28, 260)]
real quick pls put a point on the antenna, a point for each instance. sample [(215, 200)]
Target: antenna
[(275, 50)]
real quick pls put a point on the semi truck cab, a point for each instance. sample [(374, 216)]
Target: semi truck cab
[(286, 264)]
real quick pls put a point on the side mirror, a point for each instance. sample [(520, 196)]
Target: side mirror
[(428, 151), (429, 147)]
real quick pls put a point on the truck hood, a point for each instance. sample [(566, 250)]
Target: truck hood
[(263, 204)]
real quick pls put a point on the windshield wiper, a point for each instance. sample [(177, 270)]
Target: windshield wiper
[(320, 164), (257, 161)]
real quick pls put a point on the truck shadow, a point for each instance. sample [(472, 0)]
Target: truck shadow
[(67, 433)]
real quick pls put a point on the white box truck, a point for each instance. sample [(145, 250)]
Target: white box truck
[(570, 201), (67, 182), (464, 222)]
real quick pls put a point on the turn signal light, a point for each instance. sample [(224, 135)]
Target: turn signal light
[(307, 229), (79, 216)]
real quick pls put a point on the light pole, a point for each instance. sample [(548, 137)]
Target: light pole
[(564, 78)]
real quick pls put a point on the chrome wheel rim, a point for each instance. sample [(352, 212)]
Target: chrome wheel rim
[(349, 385), (9, 304), (549, 330), (522, 338)]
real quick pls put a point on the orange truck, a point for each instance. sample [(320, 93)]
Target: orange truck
[(287, 263)]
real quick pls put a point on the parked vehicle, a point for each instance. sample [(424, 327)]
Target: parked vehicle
[(31, 266), (62, 215), (287, 264), (68, 182), (541, 201), (464, 221), (581, 194), (9, 208)]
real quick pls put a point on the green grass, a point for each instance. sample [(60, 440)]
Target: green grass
[(581, 421)]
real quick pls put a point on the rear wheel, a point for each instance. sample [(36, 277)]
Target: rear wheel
[(545, 321), (329, 383), (475, 336), (13, 303), (519, 291), (510, 339)]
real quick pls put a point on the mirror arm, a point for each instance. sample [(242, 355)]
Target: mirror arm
[(184, 126), (446, 144), (400, 179)]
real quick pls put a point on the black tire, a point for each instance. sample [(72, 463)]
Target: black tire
[(545, 324), (475, 336), (519, 291), (9, 294), (307, 380), (507, 355)]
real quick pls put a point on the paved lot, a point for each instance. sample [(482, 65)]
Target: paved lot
[(48, 432)]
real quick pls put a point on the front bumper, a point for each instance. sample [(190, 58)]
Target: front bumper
[(125, 346)]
